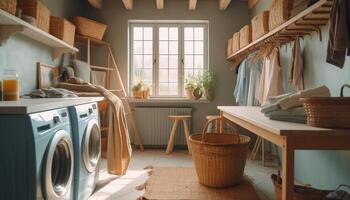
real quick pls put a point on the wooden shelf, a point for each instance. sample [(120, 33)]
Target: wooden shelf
[(302, 24), (10, 24)]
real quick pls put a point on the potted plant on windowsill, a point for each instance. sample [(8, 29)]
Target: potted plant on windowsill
[(208, 81), (189, 87), (137, 90)]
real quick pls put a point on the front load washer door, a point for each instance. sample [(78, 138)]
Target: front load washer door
[(91, 145), (58, 167)]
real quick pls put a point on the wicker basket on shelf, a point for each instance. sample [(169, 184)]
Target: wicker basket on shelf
[(9, 6), (219, 158), (279, 13), (39, 11), (328, 112), (229, 47), (260, 25), (62, 29), (235, 42), (89, 28), (245, 36)]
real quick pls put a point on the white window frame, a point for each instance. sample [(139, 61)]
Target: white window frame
[(155, 24)]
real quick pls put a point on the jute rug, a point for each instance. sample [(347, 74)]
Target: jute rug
[(179, 183)]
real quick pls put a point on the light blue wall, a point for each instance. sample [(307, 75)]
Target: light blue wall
[(22, 53), (323, 169)]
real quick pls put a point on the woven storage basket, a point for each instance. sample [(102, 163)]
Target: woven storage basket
[(9, 6), (328, 112), (219, 158), (62, 29), (37, 10), (229, 47), (245, 36), (300, 192), (279, 13), (235, 42), (260, 25), (89, 28)]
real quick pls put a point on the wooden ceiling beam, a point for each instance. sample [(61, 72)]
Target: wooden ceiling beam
[(160, 4), (192, 4), (128, 4), (224, 4)]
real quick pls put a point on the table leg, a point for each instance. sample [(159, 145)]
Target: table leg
[(287, 171)]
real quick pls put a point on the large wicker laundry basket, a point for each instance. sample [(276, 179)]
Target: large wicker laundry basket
[(219, 158)]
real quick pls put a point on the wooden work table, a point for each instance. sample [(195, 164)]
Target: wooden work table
[(289, 136)]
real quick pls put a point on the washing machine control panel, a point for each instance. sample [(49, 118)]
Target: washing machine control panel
[(47, 120)]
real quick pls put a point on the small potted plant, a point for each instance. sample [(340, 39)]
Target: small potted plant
[(146, 91), (208, 81), (198, 92), (190, 85), (137, 90)]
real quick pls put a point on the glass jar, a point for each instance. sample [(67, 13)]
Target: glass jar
[(10, 85)]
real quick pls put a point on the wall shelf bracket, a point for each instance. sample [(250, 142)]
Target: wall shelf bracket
[(57, 52), (6, 31)]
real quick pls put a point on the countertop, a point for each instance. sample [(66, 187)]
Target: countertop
[(28, 105)]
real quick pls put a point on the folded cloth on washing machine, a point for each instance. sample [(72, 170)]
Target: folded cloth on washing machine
[(119, 147), (52, 93)]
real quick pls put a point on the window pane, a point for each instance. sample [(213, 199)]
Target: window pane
[(163, 61), (147, 47), (163, 33), (138, 61), (188, 61), (147, 33), (173, 77), (173, 89), (173, 47), (198, 47), (198, 34), (188, 47), (173, 62), (138, 47), (137, 33), (188, 33), (137, 76), (163, 75), (163, 89), (163, 47), (198, 72), (148, 63), (188, 72), (198, 61), (147, 75), (173, 33)]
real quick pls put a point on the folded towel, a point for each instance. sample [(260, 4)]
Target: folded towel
[(52, 93), (293, 112), (271, 107)]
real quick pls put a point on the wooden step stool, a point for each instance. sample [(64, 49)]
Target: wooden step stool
[(177, 118), (214, 126)]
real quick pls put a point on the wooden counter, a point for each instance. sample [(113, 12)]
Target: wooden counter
[(289, 136), (27, 106)]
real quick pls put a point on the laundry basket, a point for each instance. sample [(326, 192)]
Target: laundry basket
[(219, 158)]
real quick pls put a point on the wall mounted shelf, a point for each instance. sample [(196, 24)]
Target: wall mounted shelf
[(302, 24), (10, 24)]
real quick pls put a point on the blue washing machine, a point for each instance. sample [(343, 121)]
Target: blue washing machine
[(37, 160), (87, 148)]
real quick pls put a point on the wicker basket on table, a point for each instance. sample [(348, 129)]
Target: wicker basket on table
[(39, 11), (9, 6), (328, 112), (219, 158)]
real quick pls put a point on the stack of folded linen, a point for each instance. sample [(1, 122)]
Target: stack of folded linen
[(288, 107)]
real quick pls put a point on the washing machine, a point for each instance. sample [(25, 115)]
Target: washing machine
[(37, 160), (87, 148)]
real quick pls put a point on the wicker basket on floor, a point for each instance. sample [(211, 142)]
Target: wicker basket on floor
[(9, 6), (328, 112), (300, 192), (219, 158)]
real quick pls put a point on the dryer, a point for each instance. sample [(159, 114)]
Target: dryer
[(37, 160), (87, 148)]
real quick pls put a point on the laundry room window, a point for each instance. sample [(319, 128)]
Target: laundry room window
[(163, 54)]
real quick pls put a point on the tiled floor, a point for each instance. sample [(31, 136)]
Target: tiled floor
[(123, 188)]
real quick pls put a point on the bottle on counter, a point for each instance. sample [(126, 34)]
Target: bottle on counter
[(10, 85)]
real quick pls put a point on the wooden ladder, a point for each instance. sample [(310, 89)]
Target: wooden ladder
[(120, 92)]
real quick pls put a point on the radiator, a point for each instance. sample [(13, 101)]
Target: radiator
[(155, 126)]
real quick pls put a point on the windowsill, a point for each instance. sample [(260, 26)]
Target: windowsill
[(168, 100)]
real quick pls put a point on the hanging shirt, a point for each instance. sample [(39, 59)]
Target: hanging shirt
[(255, 67), (242, 84), (296, 67), (271, 77)]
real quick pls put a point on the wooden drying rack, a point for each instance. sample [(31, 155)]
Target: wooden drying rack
[(304, 23)]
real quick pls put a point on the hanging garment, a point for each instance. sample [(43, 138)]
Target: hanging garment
[(254, 80), (339, 33), (98, 78), (119, 147), (271, 77), (242, 84), (296, 66)]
